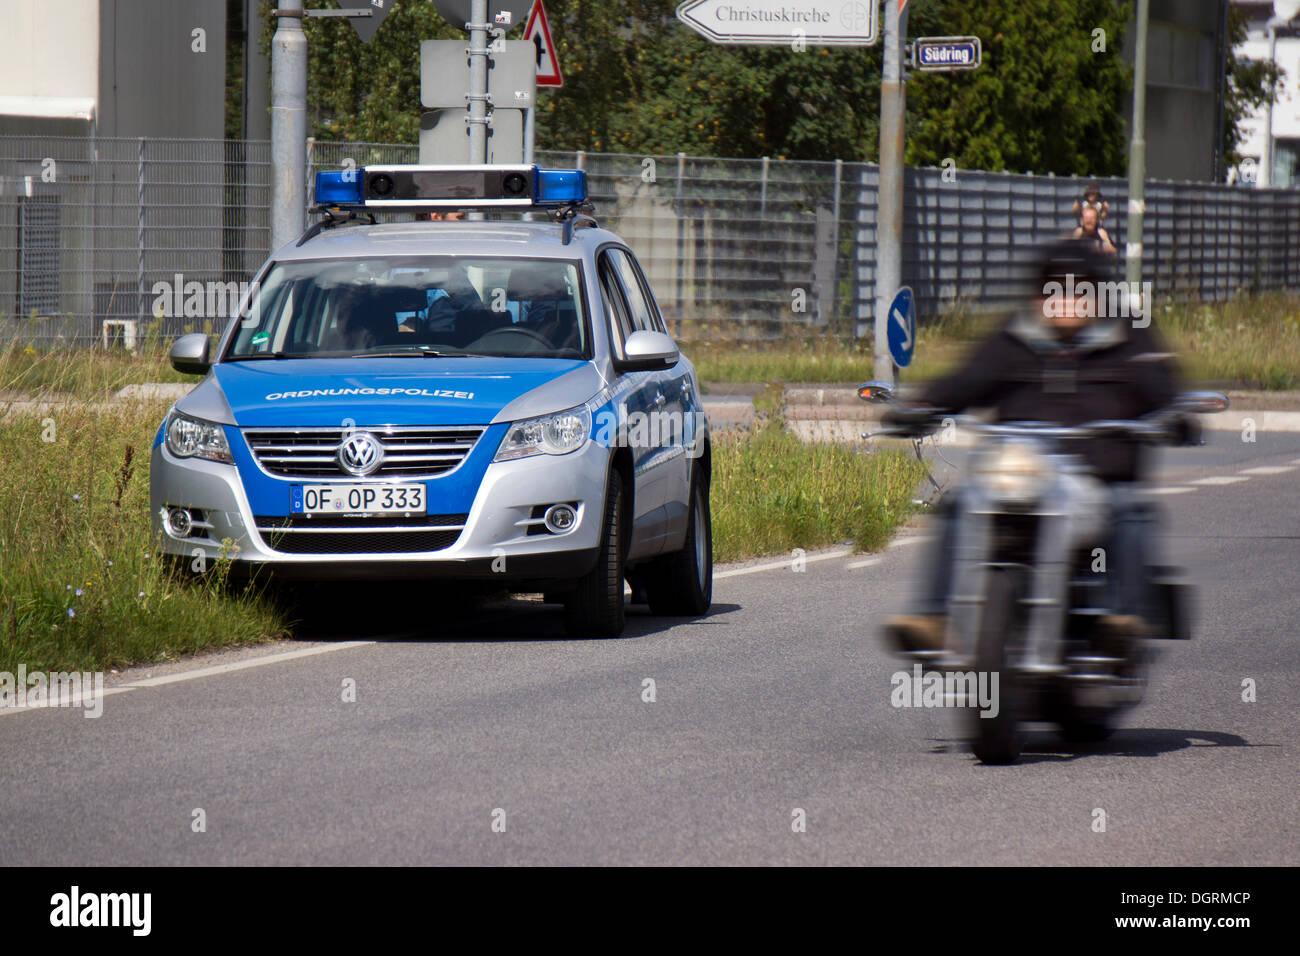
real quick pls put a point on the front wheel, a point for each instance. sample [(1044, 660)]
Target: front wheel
[(682, 583), (594, 608), (998, 739)]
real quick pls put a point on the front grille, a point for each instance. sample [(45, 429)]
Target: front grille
[(375, 534), (409, 452)]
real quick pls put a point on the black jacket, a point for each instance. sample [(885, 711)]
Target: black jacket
[(1111, 370)]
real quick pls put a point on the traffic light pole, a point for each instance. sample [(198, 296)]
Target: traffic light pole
[(288, 124), (889, 222)]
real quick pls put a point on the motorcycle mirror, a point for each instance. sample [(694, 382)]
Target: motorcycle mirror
[(875, 392), (1202, 403)]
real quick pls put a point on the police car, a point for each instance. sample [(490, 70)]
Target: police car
[(495, 400)]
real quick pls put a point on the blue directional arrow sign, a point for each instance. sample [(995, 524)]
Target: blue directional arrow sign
[(902, 327)]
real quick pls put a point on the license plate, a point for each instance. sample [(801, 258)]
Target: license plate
[(357, 499)]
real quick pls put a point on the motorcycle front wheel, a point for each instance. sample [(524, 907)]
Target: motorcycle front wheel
[(999, 739)]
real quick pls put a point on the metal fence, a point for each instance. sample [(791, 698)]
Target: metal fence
[(113, 240)]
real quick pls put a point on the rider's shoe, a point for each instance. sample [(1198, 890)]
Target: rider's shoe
[(917, 632), (1119, 632)]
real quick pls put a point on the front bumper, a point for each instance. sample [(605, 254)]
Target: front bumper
[(494, 542)]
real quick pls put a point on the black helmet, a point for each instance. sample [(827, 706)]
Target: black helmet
[(1075, 258)]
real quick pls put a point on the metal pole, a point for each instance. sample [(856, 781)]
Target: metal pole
[(530, 134), (1137, 153), (288, 124), (139, 176), (889, 218), (478, 81), (762, 194)]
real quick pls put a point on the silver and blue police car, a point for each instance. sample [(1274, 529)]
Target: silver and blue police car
[(494, 399)]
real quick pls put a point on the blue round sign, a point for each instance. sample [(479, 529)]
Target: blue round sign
[(902, 327)]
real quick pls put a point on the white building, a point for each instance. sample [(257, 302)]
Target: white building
[(1274, 31)]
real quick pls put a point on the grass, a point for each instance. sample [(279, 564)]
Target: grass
[(81, 373), (1251, 342), (772, 493), (81, 585)]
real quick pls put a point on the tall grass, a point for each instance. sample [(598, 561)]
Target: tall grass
[(81, 583), (772, 493), (1250, 342)]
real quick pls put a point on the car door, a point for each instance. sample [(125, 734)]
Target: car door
[(642, 394), (675, 401)]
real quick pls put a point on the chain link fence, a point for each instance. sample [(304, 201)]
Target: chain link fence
[(118, 240)]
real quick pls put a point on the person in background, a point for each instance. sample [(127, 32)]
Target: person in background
[(1091, 200), (1091, 232)]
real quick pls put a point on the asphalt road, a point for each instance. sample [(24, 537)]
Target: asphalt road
[(777, 701)]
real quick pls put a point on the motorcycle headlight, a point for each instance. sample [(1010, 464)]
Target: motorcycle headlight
[(1014, 471), (557, 434), (194, 438)]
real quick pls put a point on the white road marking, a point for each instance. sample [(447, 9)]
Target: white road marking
[(854, 565), (1176, 490), (1268, 470), (1221, 480), (201, 672), (786, 564), (245, 665), (75, 701)]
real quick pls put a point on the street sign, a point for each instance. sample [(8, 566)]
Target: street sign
[(366, 26), (501, 13), (783, 22), (538, 32), (902, 327), (444, 75), (444, 137), (945, 53)]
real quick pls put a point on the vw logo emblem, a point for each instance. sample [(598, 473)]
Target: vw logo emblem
[(360, 454)]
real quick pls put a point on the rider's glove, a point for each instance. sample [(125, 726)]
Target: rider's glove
[(913, 417)]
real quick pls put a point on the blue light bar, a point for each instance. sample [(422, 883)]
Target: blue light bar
[(338, 187), (555, 187), (463, 187)]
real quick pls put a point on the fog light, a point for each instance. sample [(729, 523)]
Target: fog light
[(179, 523), (559, 519)]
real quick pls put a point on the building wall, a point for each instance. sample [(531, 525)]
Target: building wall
[(152, 81)]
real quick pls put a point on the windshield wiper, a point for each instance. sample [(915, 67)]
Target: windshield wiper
[(420, 351)]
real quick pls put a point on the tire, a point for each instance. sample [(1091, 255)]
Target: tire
[(594, 608), (998, 740), (681, 584)]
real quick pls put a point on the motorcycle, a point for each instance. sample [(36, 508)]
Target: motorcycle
[(1025, 602)]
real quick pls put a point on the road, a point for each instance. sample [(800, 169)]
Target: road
[(777, 701)]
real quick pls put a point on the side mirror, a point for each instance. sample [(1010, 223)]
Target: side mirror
[(1202, 403), (877, 393), (189, 354), (646, 351)]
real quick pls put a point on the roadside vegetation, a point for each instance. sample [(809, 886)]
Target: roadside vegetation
[(81, 585), (1251, 342), (772, 493)]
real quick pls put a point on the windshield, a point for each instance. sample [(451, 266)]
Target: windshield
[(416, 305)]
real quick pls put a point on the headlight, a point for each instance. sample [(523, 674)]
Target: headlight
[(194, 438), (556, 434), (1013, 471)]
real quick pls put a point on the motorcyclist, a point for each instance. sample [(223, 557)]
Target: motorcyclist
[(1058, 361)]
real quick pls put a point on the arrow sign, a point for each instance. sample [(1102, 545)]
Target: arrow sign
[(539, 31), (902, 327), (945, 53), (782, 22)]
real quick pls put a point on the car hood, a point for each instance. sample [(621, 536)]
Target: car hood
[(398, 391)]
